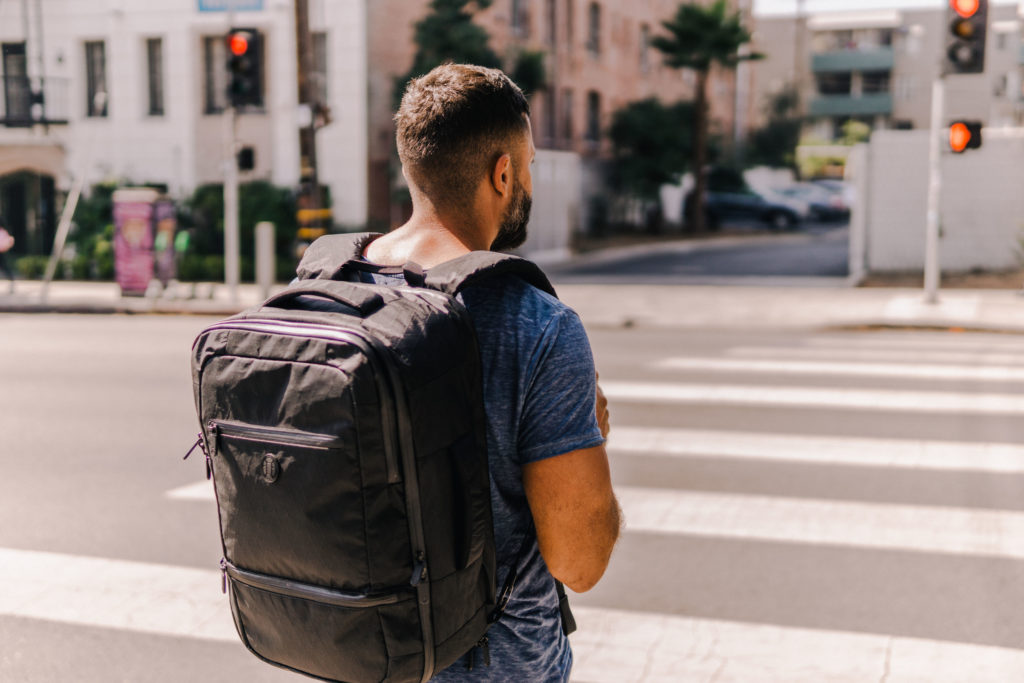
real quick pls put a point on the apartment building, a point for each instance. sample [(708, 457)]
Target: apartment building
[(134, 91), (598, 58), (878, 67)]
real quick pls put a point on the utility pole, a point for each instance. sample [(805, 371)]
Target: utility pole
[(932, 227), (311, 217), (800, 55)]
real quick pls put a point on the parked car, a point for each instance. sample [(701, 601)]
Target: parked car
[(724, 206), (825, 204)]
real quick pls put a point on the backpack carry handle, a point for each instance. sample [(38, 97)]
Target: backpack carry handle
[(362, 299)]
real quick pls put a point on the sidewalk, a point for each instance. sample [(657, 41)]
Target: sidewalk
[(760, 305)]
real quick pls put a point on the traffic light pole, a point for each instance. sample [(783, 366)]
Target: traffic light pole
[(231, 230), (932, 267)]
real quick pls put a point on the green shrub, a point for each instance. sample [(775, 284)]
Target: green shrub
[(31, 267)]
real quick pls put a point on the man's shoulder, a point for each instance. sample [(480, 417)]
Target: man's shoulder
[(508, 295)]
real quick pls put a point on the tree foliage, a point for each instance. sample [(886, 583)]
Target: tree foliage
[(699, 37), (651, 145), (448, 34), (775, 143), (529, 72)]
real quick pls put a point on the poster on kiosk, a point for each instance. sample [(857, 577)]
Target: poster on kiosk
[(143, 239)]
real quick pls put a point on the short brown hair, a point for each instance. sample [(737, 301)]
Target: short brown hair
[(453, 125)]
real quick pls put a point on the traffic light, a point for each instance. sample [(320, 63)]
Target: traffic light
[(245, 61), (964, 135), (965, 49)]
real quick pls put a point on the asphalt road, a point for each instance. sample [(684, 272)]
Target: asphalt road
[(800, 507), (819, 250)]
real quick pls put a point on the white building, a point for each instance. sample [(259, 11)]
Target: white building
[(134, 92)]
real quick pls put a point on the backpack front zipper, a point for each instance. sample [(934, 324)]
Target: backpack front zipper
[(307, 591), (272, 435)]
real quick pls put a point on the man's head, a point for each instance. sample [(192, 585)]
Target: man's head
[(464, 130)]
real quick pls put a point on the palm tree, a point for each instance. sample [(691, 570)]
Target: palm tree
[(700, 37)]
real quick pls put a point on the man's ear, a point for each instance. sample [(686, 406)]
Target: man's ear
[(501, 175)]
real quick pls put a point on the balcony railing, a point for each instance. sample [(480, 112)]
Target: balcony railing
[(26, 102), (866, 59), (868, 104)]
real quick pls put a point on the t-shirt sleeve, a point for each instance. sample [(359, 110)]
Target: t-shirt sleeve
[(559, 411)]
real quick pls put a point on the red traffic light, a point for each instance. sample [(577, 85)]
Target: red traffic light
[(959, 136), (964, 135), (238, 43), (965, 8)]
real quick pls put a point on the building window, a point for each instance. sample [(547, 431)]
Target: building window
[(594, 32), (835, 84), (155, 70), (568, 131), (570, 21), (320, 66), (552, 15), (645, 48), (96, 78), (520, 29), (549, 118), (593, 116), (875, 82), (215, 80)]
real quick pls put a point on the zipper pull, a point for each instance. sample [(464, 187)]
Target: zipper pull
[(223, 575), (197, 444), (209, 468), (484, 644), (419, 570)]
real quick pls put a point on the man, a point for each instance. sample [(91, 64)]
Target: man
[(466, 146)]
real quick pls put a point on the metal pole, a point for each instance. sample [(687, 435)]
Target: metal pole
[(932, 267), (265, 257), (231, 248), (308, 96)]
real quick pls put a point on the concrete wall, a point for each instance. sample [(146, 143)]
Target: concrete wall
[(982, 206), (557, 205)]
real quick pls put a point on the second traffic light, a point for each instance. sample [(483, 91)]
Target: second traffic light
[(964, 135), (245, 62), (965, 46)]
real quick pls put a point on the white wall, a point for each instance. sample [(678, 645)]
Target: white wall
[(557, 205), (982, 205)]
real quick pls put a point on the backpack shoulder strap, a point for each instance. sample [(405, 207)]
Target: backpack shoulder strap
[(326, 257), (453, 276)]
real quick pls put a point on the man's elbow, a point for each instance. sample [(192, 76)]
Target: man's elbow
[(582, 567)]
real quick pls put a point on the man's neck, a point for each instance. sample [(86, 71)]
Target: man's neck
[(427, 240)]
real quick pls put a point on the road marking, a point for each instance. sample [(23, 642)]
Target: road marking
[(902, 370), (135, 596), (865, 525), (932, 529), (817, 397), (875, 355), (825, 450), (201, 490), (921, 342), (611, 645)]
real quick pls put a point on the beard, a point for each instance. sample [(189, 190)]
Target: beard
[(512, 231)]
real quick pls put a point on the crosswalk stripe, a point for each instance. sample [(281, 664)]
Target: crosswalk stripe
[(825, 450), (866, 525), (919, 343), (616, 645), (611, 645), (901, 370), (816, 397), (852, 353), (945, 530)]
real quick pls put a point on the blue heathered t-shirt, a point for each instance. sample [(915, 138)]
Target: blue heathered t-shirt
[(540, 392)]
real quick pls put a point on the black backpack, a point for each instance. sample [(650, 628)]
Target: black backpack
[(344, 429)]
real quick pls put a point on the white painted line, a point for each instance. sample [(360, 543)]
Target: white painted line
[(948, 308), (617, 646), (955, 531), (877, 355), (926, 340), (901, 370), (867, 525), (201, 490), (93, 591), (818, 398), (611, 645), (824, 450)]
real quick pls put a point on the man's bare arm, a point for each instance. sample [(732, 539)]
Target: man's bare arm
[(576, 514)]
